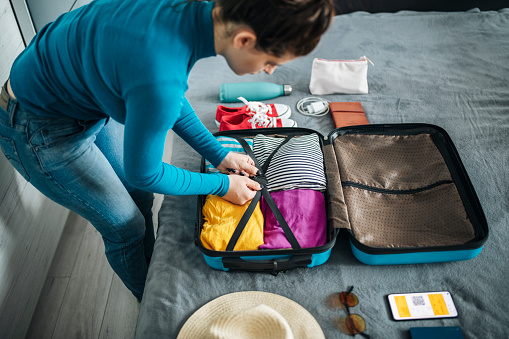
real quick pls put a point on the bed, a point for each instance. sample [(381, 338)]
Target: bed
[(450, 69)]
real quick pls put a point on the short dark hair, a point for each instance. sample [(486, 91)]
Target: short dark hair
[(281, 26)]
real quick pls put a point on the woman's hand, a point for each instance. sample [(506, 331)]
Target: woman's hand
[(238, 163), (242, 189)]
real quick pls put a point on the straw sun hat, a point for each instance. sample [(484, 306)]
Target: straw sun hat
[(249, 315)]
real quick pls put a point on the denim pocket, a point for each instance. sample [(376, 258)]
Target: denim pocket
[(49, 133), (9, 148), (58, 142)]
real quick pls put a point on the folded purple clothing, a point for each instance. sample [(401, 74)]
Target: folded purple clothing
[(304, 211)]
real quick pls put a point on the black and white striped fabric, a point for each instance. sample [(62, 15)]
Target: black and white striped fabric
[(298, 164)]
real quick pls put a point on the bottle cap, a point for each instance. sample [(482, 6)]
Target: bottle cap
[(287, 89)]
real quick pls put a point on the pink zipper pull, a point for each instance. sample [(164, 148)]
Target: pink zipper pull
[(364, 58)]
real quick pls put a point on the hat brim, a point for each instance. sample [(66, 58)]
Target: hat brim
[(302, 323)]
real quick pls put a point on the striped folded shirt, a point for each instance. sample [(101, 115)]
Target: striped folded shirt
[(298, 164)]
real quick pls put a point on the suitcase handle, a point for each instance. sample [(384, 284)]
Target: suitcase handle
[(273, 266)]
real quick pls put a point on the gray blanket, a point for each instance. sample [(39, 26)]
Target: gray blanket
[(447, 69)]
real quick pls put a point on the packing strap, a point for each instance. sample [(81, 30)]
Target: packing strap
[(262, 180), (243, 221)]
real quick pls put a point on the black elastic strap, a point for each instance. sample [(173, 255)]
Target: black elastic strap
[(243, 221), (267, 162), (249, 151), (249, 211), (281, 220), (270, 202)]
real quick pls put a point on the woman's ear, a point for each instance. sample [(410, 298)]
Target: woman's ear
[(244, 38)]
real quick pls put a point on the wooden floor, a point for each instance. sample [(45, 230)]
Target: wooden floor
[(82, 297)]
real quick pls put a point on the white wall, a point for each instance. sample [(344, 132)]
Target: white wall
[(30, 224)]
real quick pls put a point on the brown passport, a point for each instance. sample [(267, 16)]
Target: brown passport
[(347, 114)]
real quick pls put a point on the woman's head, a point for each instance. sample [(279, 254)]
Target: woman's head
[(282, 27)]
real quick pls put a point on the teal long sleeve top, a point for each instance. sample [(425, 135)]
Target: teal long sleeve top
[(128, 60)]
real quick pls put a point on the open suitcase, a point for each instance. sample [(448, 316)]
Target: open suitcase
[(400, 191)]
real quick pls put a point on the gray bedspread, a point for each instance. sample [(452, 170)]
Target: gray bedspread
[(447, 69)]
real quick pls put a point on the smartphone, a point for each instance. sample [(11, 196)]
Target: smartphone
[(427, 305)]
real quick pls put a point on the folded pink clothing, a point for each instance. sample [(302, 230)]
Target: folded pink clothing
[(304, 211)]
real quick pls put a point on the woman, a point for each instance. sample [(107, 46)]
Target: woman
[(89, 102)]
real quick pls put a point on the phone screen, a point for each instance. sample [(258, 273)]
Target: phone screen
[(427, 305)]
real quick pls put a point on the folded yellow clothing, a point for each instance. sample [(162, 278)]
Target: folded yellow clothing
[(220, 220)]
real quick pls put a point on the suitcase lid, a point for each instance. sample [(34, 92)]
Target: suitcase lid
[(401, 186)]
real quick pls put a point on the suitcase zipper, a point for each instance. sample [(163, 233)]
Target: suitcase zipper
[(362, 58), (389, 191)]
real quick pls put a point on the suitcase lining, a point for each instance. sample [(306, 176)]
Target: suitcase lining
[(394, 191)]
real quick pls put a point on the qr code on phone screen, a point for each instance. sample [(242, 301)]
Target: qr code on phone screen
[(418, 300)]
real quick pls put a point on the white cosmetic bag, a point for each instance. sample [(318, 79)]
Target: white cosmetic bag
[(339, 76)]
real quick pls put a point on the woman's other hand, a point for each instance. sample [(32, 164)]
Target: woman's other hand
[(242, 189), (238, 163)]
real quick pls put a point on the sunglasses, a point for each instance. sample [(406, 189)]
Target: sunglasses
[(354, 323)]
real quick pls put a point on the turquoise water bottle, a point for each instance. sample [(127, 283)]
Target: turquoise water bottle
[(252, 91)]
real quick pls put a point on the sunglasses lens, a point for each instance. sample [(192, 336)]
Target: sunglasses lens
[(348, 299), (355, 324)]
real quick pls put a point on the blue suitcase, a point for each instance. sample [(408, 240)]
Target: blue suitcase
[(399, 190)]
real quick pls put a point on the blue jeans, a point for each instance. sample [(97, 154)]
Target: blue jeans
[(78, 164)]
